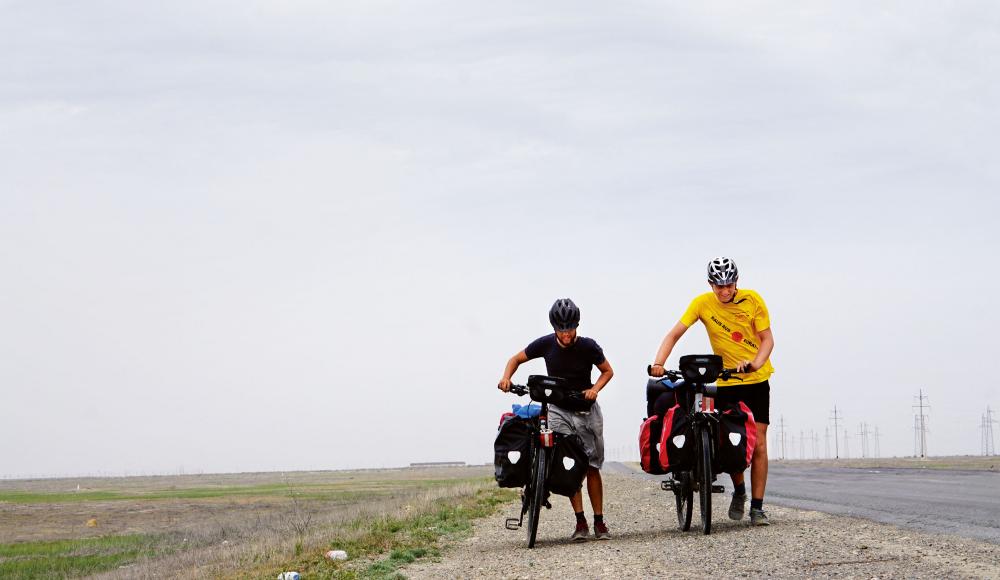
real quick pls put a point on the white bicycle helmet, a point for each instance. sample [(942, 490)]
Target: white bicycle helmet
[(722, 271)]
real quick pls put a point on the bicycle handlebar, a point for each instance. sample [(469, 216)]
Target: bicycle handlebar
[(673, 375), (521, 390)]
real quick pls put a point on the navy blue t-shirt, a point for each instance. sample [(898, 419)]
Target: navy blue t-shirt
[(572, 363)]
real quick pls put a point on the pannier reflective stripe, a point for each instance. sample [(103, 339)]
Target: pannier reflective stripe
[(649, 445), (737, 439), (676, 441), (512, 452), (567, 465)]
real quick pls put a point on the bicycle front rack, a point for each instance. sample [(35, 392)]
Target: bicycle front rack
[(671, 485)]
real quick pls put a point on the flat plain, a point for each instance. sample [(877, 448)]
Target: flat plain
[(206, 525)]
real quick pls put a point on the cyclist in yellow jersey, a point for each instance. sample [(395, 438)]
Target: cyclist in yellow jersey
[(739, 330)]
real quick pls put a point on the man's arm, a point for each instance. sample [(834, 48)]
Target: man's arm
[(514, 362), (606, 373), (666, 347), (766, 346)]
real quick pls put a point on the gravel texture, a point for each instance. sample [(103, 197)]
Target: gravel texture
[(647, 543)]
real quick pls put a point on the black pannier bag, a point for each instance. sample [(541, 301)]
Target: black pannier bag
[(737, 439), (677, 441), (649, 445), (568, 465), (512, 453)]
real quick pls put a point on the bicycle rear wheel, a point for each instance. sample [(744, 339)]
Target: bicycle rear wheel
[(705, 481), (537, 494), (684, 496)]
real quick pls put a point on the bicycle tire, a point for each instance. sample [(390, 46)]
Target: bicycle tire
[(705, 481), (684, 497), (537, 494)]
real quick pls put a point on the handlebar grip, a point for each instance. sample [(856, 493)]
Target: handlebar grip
[(519, 390)]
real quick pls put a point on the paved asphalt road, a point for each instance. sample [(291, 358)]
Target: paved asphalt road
[(966, 503)]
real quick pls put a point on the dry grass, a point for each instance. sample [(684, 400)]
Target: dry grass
[(228, 546), (223, 525)]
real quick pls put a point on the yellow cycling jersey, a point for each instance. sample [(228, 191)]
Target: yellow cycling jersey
[(732, 330)]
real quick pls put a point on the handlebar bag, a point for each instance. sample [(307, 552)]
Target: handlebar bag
[(568, 465), (737, 439), (676, 441), (512, 452), (649, 445)]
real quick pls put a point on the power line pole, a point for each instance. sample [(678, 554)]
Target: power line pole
[(826, 435), (782, 441), (989, 447), (815, 441), (878, 453), (922, 423), (862, 435), (836, 432)]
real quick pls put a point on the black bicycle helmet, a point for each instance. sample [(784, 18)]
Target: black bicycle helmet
[(564, 315), (722, 271)]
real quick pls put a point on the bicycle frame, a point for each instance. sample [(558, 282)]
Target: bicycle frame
[(534, 495), (704, 421)]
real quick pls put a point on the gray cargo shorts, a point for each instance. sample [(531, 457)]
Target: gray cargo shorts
[(588, 425)]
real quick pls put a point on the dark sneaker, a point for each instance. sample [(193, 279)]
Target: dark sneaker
[(738, 506), (581, 532), (758, 518), (601, 531)]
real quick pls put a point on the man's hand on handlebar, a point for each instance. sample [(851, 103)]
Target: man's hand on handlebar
[(590, 394), (745, 366), (504, 385), (656, 370)]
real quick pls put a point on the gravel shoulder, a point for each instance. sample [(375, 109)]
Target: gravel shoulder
[(647, 543)]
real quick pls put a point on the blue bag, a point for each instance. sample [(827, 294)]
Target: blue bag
[(529, 411)]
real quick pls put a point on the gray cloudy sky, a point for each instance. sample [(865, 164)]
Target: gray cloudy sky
[(261, 235)]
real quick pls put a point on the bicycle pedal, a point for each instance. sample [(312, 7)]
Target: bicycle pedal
[(718, 489), (512, 524), (667, 485)]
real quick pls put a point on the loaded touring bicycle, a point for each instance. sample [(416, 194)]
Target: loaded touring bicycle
[(529, 455), (692, 440)]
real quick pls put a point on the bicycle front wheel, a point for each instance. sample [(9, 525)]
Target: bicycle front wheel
[(705, 481), (537, 494), (684, 496)]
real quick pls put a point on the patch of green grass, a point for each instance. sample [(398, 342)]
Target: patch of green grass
[(340, 491), (70, 558), (378, 547)]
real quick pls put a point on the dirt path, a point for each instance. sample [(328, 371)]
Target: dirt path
[(647, 544)]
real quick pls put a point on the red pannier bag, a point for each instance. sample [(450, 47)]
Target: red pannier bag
[(649, 445), (676, 441), (737, 439)]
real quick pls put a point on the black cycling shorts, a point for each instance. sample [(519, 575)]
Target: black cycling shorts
[(756, 396)]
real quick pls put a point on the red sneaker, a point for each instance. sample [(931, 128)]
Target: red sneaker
[(601, 531), (581, 532)]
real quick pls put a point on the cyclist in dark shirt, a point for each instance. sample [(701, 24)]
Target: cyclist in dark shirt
[(572, 357)]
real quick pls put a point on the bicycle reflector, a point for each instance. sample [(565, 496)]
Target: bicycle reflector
[(701, 368)]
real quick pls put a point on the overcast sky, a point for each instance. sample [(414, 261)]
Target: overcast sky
[(306, 235)]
